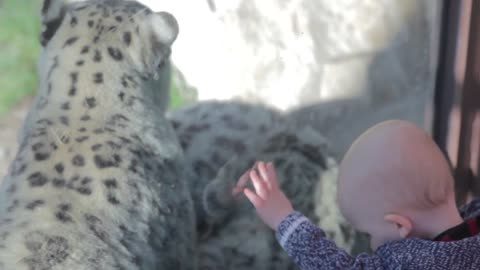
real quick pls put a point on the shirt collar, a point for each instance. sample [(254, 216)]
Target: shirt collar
[(470, 227)]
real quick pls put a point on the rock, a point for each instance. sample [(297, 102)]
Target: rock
[(3, 154), (291, 53)]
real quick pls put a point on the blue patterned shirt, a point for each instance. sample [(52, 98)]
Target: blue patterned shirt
[(308, 246)]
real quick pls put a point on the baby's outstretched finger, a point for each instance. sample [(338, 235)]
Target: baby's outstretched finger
[(241, 183), (262, 169), (253, 198), (259, 185), (243, 180), (272, 176), (236, 191)]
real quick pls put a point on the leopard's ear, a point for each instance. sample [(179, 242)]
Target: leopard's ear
[(52, 15), (165, 27), (163, 32)]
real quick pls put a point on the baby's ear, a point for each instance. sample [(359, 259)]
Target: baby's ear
[(402, 224), (52, 16)]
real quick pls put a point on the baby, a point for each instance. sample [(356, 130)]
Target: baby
[(395, 185)]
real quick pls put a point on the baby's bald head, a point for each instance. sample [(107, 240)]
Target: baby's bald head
[(392, 166)]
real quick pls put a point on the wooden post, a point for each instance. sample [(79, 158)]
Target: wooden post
[(467, 168)]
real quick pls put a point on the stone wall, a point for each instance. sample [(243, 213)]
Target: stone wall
[(290, 53), (335, 63)]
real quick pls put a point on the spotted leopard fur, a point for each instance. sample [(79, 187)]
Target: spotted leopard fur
[(221, 140), (211, 132), (97, 182)]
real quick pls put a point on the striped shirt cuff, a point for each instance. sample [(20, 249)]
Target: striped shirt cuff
[(288, 226)]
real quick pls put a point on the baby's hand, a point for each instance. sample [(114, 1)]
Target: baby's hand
[(271, 204)]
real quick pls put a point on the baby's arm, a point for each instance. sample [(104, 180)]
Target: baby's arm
[(308, 246), (305, 243)]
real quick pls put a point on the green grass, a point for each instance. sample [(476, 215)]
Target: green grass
[(175, 99), (19, 47)]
